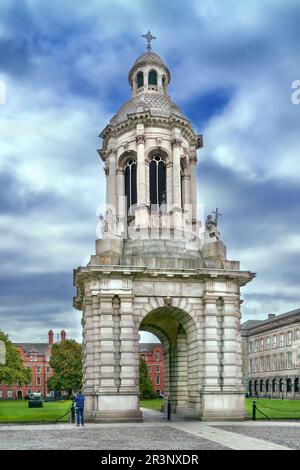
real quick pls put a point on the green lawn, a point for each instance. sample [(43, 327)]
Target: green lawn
[(283, 409), (14, 411), (155, 404), (274, 409)]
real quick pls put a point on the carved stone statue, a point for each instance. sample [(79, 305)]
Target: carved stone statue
[(108, 224), (211, 225)]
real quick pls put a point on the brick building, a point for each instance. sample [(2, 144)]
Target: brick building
[(37, 357), (154, 357), (271, 356)]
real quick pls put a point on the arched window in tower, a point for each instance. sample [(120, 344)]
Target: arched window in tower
[(130, 184), (140, 79), (152, 78), (158, 189), (163, 82)]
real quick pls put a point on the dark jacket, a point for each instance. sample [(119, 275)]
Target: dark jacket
[(79, 401)]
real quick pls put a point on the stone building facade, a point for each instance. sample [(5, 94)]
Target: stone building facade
[(157, 269), (154, 357), (271, 356)]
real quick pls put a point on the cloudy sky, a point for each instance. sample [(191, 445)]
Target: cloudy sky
[(64, 66)]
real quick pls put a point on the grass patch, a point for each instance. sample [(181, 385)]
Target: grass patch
[(17, 411), (275, 409), (154, 404)]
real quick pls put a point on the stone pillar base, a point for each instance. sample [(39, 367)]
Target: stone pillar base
[(114, 416), (113, 408), (227, 406)]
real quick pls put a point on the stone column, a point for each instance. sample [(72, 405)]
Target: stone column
[(111, 180), (211, 344), (193, 187), (88, 357), (141, 214), (176, 143), (176, 203), (232, 346), (129, 360)]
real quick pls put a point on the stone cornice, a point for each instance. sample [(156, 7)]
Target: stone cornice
[(86, 274), (149, 120), (271, 325)]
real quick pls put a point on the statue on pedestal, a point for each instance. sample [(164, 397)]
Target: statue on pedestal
[(211, 225)]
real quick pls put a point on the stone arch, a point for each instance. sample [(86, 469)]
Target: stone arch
[(124, 157), (178, 332), (165, 154)]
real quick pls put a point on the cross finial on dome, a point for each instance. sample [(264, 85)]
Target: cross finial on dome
[(149, 38)]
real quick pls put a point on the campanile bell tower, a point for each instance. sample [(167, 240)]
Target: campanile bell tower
[(157, 268)]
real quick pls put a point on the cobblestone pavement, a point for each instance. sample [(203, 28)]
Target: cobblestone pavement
[(288, 436), (144, 436)]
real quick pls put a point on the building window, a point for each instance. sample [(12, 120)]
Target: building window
[(250, 347), (31, 358), (158, 369), (281, 341), (256, 365), (140, 79), (268, 346), (297, 334), (262, 343), (157, 182), (289, 338), (157, 380), (47, 369), (38, 381), (262, 364), (256, 345), (130, 184), (149, 370), (274, 363), (268, 363), (157, 356), (152, 78), (9, 394), (281, 363), (274, 345), (289, 360), (38, 369)]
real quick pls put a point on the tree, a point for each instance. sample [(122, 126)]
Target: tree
[(13, 370), (146, 387), (66, 360)]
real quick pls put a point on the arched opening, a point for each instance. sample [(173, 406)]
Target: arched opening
[(19, 395), (250, 387), (288, 385), (261, 385), (281, 385), (255, 386), (130, 184), (296, 385), (274, 385), (267, 385), (140, 79), (163, 82), (157, 183), (177, 332), (152, 77)]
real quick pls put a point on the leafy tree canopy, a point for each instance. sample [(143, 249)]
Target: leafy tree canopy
[(146, 387), (66, 361), (13, 371)]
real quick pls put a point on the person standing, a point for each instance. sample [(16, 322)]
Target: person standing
[(79, 405)]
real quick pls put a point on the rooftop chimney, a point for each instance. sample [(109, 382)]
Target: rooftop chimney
[(271, 315), (50, 337), (62, 335)]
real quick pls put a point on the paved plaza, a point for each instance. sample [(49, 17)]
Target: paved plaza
[(154, 434)]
